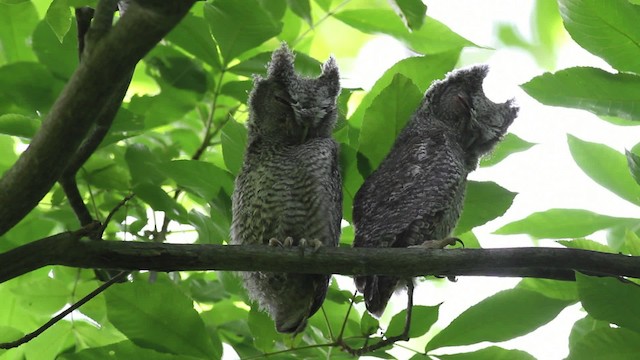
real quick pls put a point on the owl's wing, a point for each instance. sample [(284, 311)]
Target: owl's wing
[(335, 194), (419, 180)]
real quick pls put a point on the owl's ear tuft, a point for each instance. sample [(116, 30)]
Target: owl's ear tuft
[(331, 76), (472, 77), (281, 65)]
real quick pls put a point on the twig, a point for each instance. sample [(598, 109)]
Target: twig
[(346, 317), (83, 21), (113, 211), (67, 311), (70, 188), (404, 336)]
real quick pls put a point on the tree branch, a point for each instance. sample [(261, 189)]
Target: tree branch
[(106, 63), (70, 249)]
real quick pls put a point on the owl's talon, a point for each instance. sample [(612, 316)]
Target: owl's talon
[(314, 243), (288, 242), (438, 244), (275, 242), (457, 240)]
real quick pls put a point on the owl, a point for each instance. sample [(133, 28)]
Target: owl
[(289, 192), (416, 194)]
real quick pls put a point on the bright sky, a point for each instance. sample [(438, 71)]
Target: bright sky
[(544, 176)]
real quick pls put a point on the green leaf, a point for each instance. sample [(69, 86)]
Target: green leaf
[(143, 165), (483, 202), (160, 201), (619, 344), (606, 29), (124, 350), (166, 322), (555, 289), (176, 70), (192, 35), (547, 25), (302, 8), (432, 38), (335, 315), (490, 353), (585, 244), (422, 70), (422, 318), (59, 18), (583, 327), (43, 296), (162, 109), (27, 88), (563, 223), (470, 240), (51, 342), (59, 56), (234, 142), (351, 178), (633, 161), (632, 243), (503, 316), (618, 121), (204, 289), (412, 12), (17, 22), (238, 90), (605, 166), (204, 226), (9, 156), (263, 329), (511, 144), (610, 299), (198, 177), (324, 4), (234, 37), (102, 172), (18, 125), (275, 8), (385, 118), (8, 334), (590, 89), (368, 324)]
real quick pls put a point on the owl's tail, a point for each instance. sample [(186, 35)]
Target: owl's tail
[(377, 291)]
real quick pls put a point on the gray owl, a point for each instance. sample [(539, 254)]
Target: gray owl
[(289, 191), (415, 196)]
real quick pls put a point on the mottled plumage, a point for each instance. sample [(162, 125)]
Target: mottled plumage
[(289, 185), (417, 192)]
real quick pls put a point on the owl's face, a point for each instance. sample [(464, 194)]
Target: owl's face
[(291, 109), (460, 103)]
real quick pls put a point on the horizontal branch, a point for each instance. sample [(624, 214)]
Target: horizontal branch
[(72, 249)]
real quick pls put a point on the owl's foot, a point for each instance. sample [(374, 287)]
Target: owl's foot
[(288, 242), (314, 243), (439, 244)]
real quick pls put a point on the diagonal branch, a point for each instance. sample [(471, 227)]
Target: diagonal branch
[(106, 63), (70, 249)]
